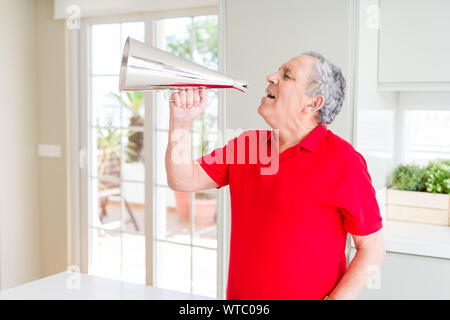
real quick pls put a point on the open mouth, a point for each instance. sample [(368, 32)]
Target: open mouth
[(270, 96)]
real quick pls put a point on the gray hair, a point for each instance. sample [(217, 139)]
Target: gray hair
[(326, 80)]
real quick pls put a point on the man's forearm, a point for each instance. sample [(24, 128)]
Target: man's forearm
[(178, 155), (362, 267)]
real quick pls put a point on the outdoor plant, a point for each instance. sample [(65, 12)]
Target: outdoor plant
[(433, 178), (133, 102)]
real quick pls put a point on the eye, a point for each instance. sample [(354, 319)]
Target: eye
[(286, 76)]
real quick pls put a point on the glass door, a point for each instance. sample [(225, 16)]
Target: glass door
[(136, 228)]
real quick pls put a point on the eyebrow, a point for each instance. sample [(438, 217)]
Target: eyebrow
[(286, 69)]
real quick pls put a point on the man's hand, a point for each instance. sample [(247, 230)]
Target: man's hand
[(188, 105)]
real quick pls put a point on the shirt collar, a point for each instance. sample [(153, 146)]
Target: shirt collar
[(312, 140)]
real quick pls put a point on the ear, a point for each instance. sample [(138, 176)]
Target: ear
[(316, 104)]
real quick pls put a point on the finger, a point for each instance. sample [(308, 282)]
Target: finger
[(176, 98), (189, 98), (196, 96), (203, 97), (182, 94)]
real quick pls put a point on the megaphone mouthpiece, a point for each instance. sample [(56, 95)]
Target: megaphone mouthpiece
[(241, 85)]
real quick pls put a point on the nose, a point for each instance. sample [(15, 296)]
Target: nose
[(272, 78)]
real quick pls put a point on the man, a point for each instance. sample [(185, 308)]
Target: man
[(289, 229)]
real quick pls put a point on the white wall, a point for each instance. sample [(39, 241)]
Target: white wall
[(52, 128), (32, 190), (19, 202), (263, 34)]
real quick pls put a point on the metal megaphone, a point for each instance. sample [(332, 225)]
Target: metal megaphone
[(146, 68)]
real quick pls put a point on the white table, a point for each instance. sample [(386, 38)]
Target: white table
[(66, 286)]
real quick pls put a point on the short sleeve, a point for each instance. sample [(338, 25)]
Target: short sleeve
[(356, 198), (215, 165)]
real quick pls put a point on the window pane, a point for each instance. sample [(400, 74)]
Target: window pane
[(135, 30), (134, 171), (106, 205), (133, 201), (162, 111), (107, 155), (173, 266), (172, 215), (173, 210), (105, 254), (204, 266), (105, 101), (106, 50), (133, 109), (133, 260), (161, 146), (212, 109), (198, 144), (426, 135), (212, 142), (208, 119), (203, 144), (133, 150), (205, 44), (175, 36), (205, 229)]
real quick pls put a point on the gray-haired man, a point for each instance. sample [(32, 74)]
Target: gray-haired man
[(289, 229)]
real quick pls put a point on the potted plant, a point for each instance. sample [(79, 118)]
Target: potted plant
[(134, 103), (205, 205), (420, 194)]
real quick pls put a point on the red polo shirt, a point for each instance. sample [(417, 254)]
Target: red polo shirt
[(289, 229)]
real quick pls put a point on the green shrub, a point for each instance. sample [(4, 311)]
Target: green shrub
[(437, 176), (408, 177)]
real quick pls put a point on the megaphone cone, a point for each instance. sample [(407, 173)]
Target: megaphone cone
[(147, 68)]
